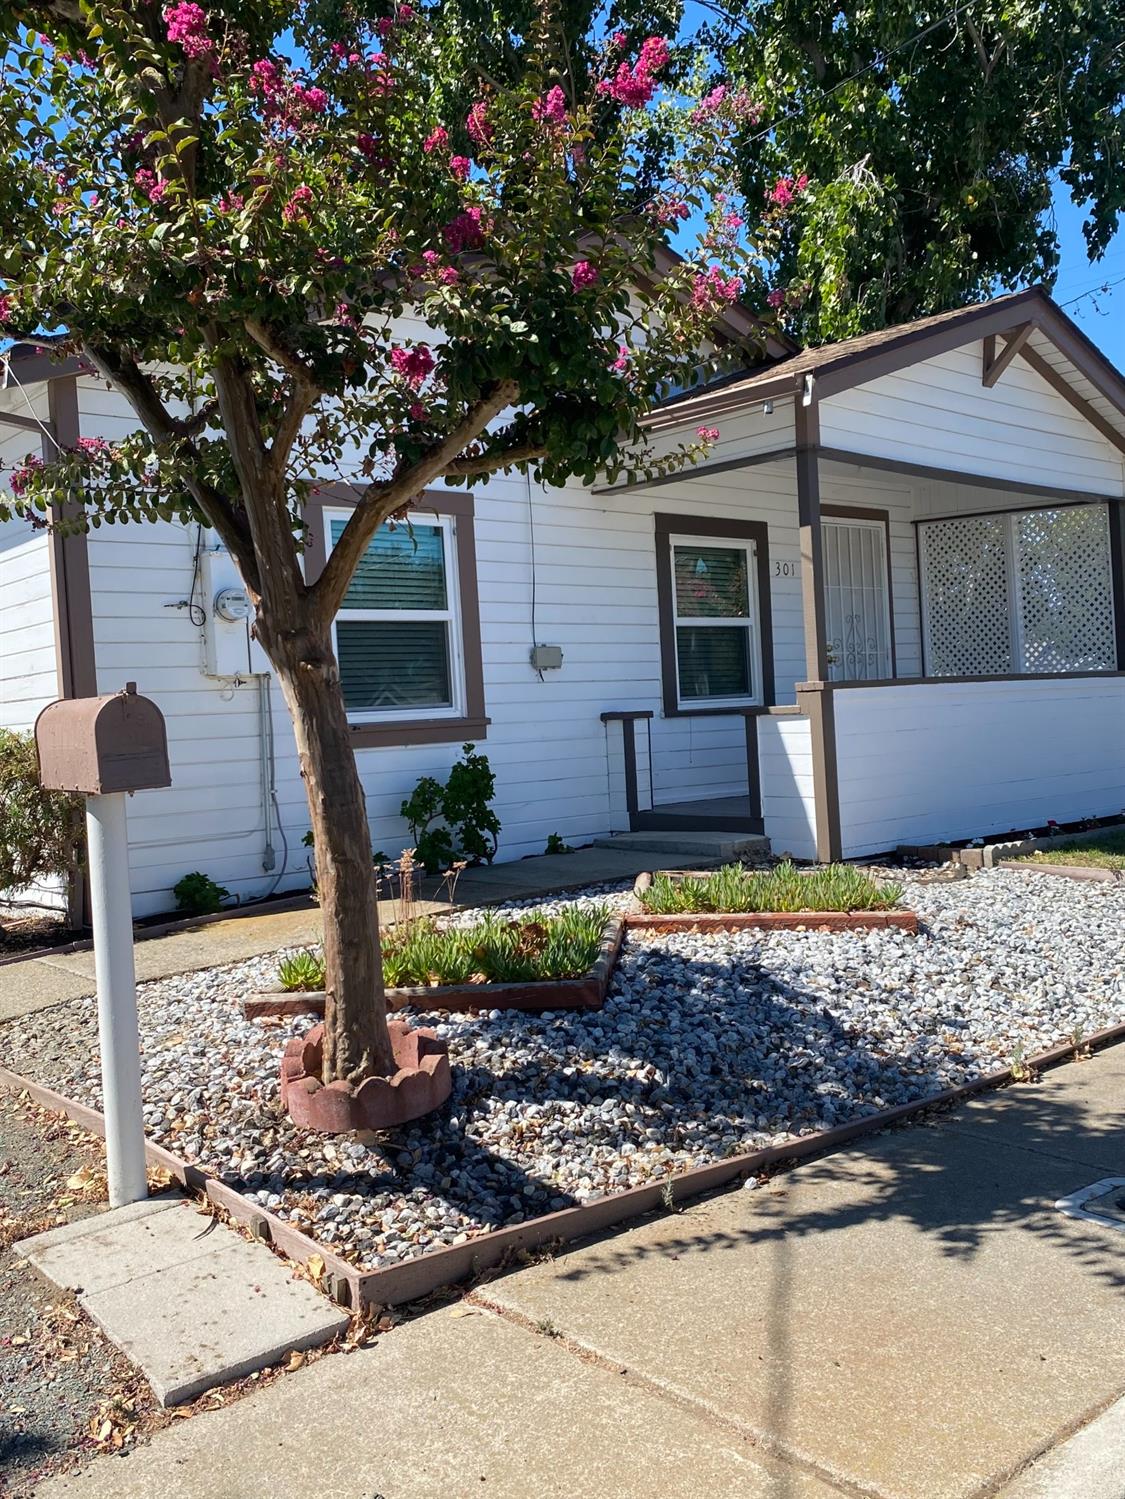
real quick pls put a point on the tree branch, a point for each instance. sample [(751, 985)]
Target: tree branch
[(501, 458), (268, 341), (382, 500), (125, 375)]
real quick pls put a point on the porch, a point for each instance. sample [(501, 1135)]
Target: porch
[(882, 650)]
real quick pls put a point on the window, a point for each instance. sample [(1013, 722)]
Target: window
[(715, 622), (1021, 591), (407, 637)]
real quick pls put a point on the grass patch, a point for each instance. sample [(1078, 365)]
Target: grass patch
[(838, 887), (497, 949), (1106, 852)]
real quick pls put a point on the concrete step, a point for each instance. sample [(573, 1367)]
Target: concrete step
[(715, 847), (188, 1300)]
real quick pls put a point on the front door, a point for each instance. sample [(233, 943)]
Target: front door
[(857, 614)]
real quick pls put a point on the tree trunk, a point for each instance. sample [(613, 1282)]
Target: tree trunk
[(356, 1042)]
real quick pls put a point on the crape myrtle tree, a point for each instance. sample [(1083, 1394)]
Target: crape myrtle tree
[(931, 139), (223, 211)]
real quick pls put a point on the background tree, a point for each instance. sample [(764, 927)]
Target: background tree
[(224, 211), (931, 146)]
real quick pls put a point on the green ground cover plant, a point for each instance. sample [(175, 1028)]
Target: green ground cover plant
[(733, 888), (497, 949), (1107, 852)]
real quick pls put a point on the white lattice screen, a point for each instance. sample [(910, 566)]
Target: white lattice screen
[(1066, 589), (968, 620), (1019, 591)]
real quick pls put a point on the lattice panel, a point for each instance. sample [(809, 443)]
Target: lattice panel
[(1066, 589), (965, 565)]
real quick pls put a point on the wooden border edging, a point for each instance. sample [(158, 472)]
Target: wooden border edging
[(1064, 871), (738, 921), (395, 1285), (585, 993)]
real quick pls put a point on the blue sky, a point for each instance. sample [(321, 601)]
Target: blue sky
[(1101, 318)]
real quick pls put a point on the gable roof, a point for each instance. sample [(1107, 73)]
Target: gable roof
[(1055, 346)]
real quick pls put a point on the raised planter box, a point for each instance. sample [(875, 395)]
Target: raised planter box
[(1064, 871), (992, 855), (585, 993), (739, 921)]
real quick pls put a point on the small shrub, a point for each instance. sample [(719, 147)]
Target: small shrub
[(40, 832), (495, 949), (198, 894), (837, 887), (557, 844), (468, 829), (300, 971)]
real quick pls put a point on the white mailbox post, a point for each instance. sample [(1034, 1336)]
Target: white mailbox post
[(106, 747)]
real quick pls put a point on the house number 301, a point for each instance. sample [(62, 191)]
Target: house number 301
[(784, 569)]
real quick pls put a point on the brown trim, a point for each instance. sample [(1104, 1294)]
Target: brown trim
[(1060, 384), (24, 423), (618, 715), (1016, 676), (667, 525), (69, 559), (815, 700), (473, 724), (807, 432), (1117, 574), (869, 512), (29, 365), (959, 476), (702, 470), (753, 766), (1095, 499), (995, 364)]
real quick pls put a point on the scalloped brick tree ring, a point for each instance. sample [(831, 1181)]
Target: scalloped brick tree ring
[(421, 1084)]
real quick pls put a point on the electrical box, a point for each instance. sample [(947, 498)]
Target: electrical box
[(99, 745), (228, 647), (546, 657)]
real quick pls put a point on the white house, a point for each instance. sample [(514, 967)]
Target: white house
[(889, 608)]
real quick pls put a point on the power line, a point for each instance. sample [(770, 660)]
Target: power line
[(1095, 291)]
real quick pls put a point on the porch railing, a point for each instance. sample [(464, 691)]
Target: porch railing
[(673, 773)]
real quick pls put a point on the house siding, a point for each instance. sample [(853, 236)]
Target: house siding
[(938, 413)]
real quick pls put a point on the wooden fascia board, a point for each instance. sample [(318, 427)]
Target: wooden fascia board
[(1060, 383)]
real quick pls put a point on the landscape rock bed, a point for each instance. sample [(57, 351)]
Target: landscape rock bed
[(708, 1046)]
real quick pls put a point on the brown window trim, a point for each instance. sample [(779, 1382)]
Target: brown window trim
[(473, 724), (869, 512), (732, 530)]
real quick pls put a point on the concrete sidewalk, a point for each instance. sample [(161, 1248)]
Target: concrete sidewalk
[(911, 1319), (37, 983)]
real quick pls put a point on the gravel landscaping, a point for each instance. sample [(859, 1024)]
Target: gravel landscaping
[(708, 1046)]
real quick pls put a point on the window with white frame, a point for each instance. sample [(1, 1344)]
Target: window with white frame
[(715, 620), (397, 635), (1018, 591)]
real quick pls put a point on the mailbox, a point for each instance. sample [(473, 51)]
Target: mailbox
[(100, 745)]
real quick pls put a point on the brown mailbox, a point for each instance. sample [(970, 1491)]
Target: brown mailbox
[(98, 745)]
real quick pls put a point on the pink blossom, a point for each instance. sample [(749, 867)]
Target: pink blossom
[(634, 86), (309, 100), (776, 297), (414, 365), (584, 274), (231, 202), (95, 199), (298, 205), (153, 187), (710, 102), (91, 446), (21, 477), (431, 258), (669, 211), (707, 434), (187, 25), (265, 78), (449, 275), (711, 289), (437, 140), (785, 190), (368, 146), (5, 308), (621, 363), (619, 39), (551, 110), (478, 124), (465, 232), (344, 315), (460, 166), (418, 411)]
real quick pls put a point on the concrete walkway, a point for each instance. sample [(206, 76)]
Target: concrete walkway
[(38, 983), (910, 1319)]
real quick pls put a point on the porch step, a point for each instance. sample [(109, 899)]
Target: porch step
[(718, 846)]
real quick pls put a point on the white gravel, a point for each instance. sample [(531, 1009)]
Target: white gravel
[(707, 1046)]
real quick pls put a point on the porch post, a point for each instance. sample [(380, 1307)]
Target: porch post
[(815, 697), (807, 424)]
